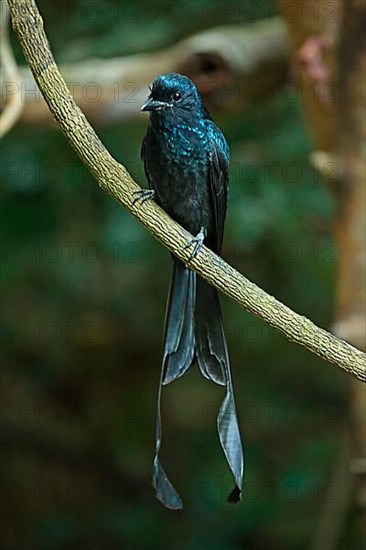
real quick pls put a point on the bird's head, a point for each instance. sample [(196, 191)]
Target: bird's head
[(173, 95)]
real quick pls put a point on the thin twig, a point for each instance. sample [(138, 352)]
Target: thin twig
[(14, 105)]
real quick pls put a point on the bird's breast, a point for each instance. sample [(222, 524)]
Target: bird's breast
[(177, 163)]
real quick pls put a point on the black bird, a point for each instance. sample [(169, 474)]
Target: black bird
[(186, 163)]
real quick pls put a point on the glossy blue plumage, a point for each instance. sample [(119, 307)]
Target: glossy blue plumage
[(186, 163), (186, 158)]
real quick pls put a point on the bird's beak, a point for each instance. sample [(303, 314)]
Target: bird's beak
[(154, 105)]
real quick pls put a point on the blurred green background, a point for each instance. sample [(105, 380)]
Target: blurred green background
[(83, 299)]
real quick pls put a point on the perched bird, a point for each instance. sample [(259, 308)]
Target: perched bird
[(186, 159)]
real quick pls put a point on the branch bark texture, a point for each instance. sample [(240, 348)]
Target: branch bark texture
[(114, 179)]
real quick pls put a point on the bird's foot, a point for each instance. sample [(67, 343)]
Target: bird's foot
[(143, 195), (198, 243)]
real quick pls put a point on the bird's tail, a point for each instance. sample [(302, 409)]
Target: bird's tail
[(179, 337), (194, 329), (213, 361)]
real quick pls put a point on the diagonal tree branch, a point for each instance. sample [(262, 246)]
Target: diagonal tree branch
[(114, 179)]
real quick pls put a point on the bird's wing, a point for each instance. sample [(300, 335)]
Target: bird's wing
[(143, 158), (143, 149), (143, 154), (218, 180)]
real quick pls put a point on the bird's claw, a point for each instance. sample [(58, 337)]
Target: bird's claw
[(198, 243), (143, 195)]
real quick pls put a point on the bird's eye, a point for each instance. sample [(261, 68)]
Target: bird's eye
[(176, 96)]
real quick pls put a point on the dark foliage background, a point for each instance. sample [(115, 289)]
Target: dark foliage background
[(83, 297)]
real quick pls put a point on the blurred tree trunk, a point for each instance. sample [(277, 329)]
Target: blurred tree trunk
[(232, 66), (328, 50)]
